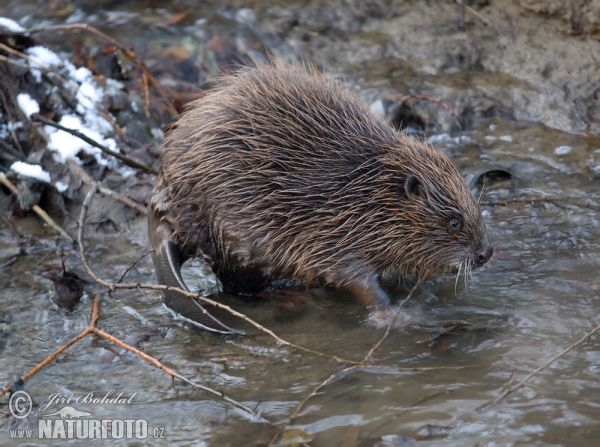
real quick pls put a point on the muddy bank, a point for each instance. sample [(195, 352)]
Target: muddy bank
[(533, 60), (527, 60)]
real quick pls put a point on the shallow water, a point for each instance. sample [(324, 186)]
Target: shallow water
[(536, 296)]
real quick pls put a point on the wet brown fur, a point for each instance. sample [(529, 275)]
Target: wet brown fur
[(279, 173)]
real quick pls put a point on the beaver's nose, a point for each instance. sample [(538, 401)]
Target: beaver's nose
[(484, 256)]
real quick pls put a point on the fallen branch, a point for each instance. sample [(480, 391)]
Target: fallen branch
[(93, 329), (361, 366), (131, 162), (472, 11), (133, 264), (88, 180)]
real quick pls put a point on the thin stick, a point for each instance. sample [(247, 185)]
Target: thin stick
[(130, 267), (48, 359), (146, 94), (343, 373), (88, 180), (132, 162), (475, 13), (404, 410), (171, 372), (93, 329), (389, 326), (38, 210), (512, 389)]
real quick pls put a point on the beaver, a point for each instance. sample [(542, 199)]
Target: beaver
[(280, 174)]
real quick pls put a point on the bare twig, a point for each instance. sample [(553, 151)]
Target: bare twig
[(93, 329), (519, 385), (37, 368), (146, 94), (128, 269), (345, 372), (404, 410), (475, 13), (389, 326), (38, 210), (171, 372), (88, 180), (132, 162)]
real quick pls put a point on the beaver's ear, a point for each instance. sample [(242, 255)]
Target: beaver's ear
[(413, 186)]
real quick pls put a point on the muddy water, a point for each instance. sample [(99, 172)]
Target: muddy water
[(537, 295)]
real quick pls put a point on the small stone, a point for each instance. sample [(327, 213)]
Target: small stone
[(563, 150)]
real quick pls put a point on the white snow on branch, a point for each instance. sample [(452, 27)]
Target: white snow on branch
[(27, 104), (33, 171)]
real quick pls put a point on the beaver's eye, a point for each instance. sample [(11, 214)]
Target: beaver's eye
[(455, 224)]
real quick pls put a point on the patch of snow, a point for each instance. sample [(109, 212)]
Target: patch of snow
[(43, 57), (33, 171), (61, 186), (493, 127), (126, 171), (507, 138), (82, 74), (87, 118), (113, 87), (490, 138), (37, 74), (67, 146), (11, 25), (27, 104)]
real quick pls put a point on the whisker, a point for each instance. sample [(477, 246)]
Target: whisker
[(482, 188), (457, 276)]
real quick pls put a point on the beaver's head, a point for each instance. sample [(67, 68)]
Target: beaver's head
[(441, 229)]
